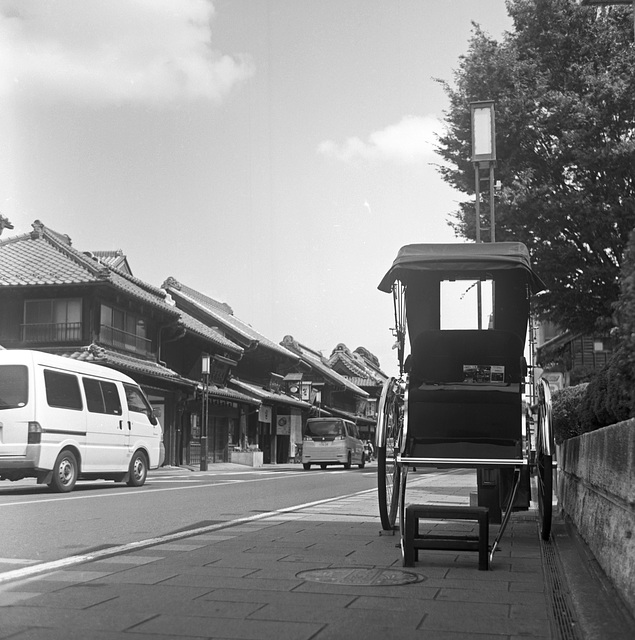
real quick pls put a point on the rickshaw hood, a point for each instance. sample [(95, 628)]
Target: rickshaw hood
[(466, 258)]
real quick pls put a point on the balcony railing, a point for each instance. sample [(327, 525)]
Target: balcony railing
[(52, 332), (123, 340)]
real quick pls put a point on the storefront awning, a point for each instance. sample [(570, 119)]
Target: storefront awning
[(267, 396), (360, 420), (223, 393)]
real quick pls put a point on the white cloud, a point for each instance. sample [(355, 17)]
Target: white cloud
[(409, 141), (111, 51)]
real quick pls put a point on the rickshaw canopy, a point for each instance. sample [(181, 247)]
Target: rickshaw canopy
[(460, 259)]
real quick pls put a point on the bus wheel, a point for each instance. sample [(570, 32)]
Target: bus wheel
[(362, 464), (306, 465), (65, 472), (138, 471)]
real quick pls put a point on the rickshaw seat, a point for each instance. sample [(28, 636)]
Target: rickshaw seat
[(465, 395)]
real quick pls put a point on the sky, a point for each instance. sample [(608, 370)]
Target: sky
[(272, 154)]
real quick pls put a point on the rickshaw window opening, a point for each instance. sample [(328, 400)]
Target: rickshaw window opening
[(467, 303)]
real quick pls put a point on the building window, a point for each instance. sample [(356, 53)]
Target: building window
[(598, 345), (58, 320), (123, 330)]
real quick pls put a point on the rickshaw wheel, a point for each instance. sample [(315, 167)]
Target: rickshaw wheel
[(388, 471), (544, 477), (388, 486), (544, 459)]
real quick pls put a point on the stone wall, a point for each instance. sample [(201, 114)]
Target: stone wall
[(596, 488)]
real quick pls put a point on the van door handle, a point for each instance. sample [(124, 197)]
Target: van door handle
[(129, 425), (121, 424)]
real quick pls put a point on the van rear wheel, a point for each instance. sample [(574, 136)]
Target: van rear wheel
[(65, 472), (138, 471)]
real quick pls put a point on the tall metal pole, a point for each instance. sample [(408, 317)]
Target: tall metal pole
[(477, 189), (491, 203), (204, 424)]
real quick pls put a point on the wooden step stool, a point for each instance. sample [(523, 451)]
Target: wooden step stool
[(415, 541)]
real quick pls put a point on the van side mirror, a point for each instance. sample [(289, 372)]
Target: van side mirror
[(153, 419)]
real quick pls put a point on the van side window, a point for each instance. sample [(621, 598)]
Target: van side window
[(136, 400), (62, 390), (102, 397), (14, 386)]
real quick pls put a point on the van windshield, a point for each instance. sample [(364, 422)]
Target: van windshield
[(324, 428), (14, 386)]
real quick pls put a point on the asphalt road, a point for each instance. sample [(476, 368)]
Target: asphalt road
[(39, 526)]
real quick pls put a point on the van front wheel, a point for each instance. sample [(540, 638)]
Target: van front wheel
[(65, 473), (138, 471)]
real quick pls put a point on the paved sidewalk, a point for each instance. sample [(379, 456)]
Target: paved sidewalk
[(323, 572)]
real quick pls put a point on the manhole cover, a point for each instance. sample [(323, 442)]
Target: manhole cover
[(361, 577)]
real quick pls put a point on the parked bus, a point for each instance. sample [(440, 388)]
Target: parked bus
[(62, 420), (327, 441)]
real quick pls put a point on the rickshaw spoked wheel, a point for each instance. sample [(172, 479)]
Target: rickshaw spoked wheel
[(544, 459), (388, 470), (544, 478)]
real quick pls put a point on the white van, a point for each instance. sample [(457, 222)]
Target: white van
[(62, 420), (328, 441)]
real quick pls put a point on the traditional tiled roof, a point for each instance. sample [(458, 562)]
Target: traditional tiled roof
[(317, 362), (359, 369), (131, 364), (115, 259), (45, 257), (222, 314), (210, 334)]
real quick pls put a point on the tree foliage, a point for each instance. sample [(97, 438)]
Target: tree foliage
[(563, 82)]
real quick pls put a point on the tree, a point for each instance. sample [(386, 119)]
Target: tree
[(563, 82)]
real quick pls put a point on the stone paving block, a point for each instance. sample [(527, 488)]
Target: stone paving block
[(147, 574), (11, 631), (178, 546), (363, 618), (88, 620), (215, 582), (8, 598), (446, 583), (535, 610), (73, 597), (289, 598), (393, 591), (483, 624), (193, 608), (145, 596), (492, 595), (74, 574), (250, 560), (126, 559), (80, 634), (179, 626), (403, 603)]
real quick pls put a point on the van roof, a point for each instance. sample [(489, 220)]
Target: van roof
[(30, 357)]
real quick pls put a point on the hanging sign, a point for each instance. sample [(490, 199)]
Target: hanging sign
[(264, 413)]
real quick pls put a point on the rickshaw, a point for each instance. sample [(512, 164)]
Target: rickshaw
[(460, 398)]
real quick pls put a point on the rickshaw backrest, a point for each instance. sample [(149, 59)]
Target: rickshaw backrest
[(443, 356)]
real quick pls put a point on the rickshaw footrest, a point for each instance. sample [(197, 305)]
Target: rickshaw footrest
[(415, 541)]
